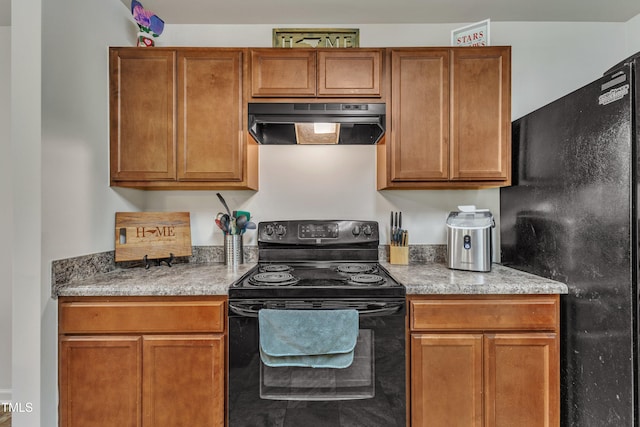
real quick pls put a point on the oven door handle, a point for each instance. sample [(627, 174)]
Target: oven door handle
[(240, 310), (388, 309)]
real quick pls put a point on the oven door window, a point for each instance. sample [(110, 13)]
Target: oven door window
[(296, 383)]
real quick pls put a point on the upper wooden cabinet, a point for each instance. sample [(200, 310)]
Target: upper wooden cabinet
[(278, 72), (178, 119), (312, 73), (419, 143), (178, 116), (350, 72), (210, 116), (142, 114), (480, 145), (450, 119)]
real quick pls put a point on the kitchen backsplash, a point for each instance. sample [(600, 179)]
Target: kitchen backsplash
[(79, 268)]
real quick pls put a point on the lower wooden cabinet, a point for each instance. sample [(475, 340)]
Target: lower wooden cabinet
[(145, 370), (484, 361), (521, 379), (446, 379), (100, 381)]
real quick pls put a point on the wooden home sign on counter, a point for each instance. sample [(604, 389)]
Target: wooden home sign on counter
[(316, 37), (154, 235)]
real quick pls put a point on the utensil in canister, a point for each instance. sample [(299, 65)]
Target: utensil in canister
[(224, 226), (241, 222), (245, 213), (232, 226), (224, 220), (224, 203)]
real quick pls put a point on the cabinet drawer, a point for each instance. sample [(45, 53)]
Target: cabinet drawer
[(82, 317), (475, 314)]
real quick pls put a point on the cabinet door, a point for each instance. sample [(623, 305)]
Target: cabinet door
[(349, 72), (142, 114), (481, 114), (522, 380), (446, 380), (283, 73), (210, 118), (100, 379), (420, 115), (183, 382)]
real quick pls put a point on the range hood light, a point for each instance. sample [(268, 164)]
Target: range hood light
[(324, 128), (310, 133)]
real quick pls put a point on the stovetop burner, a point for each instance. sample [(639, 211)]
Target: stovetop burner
[(274, 268), (357, 268), (273, 278), (367, 280)]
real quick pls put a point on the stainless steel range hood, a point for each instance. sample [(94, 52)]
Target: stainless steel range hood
[(324, 123)]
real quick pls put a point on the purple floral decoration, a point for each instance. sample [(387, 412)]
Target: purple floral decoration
[(147, 21)]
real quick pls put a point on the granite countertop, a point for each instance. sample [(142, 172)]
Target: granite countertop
[(215, 279), (435, 278), (179, 279)]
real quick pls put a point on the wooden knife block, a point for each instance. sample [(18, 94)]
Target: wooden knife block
[(399, 255)]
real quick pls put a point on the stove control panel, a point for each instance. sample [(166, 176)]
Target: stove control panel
[(328, 230), (318, 232)]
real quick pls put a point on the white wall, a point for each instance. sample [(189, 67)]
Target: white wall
[(26, 203), (78, 206), (78, 202), (6, 208), (633, 35)]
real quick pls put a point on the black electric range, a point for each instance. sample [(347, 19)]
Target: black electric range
[(317, 264)]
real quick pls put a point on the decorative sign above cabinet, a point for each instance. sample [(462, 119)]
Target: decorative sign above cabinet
[(316, 37), (472, 35)]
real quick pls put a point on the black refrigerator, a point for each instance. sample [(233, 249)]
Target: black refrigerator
[(572, 216)]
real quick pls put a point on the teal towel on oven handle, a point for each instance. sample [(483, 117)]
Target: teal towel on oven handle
[(308, 338)]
